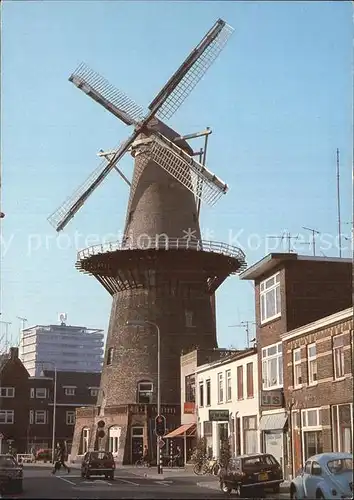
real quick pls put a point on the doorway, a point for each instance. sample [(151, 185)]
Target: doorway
[(137, 443)]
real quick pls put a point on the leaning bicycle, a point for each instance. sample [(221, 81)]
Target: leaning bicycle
[(207, 466), (141, 463)]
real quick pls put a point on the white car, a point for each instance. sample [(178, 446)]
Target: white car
[(325, 476)]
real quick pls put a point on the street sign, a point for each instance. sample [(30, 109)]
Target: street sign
[(160, 425), (219, 415), (161, 443)]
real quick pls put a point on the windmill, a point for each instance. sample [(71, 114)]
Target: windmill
[(161, 275), (161, 144)]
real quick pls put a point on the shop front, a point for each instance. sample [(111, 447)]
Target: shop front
[(273, 427)]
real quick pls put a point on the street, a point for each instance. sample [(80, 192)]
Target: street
[(128, 483)]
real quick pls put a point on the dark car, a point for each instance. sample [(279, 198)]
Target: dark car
[(251, 474), (98, 463), (11, 474)]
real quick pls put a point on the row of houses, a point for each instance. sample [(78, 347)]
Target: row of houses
[(292, 394), (27, 404)]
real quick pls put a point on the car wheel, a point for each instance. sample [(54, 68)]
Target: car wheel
[(224, 488), (19, 486), (111, 477), (319, 495), (276, 489)]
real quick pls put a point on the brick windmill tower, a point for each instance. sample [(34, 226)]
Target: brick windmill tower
[(161, 276)]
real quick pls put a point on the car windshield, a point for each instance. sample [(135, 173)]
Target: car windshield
[(340, 465), (101, 455), (7, 462)]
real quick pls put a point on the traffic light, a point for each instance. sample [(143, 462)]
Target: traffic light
[(160, 425), (100, 432)]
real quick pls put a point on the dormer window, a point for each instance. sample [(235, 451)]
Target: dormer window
[(270, 298), (69, 390)]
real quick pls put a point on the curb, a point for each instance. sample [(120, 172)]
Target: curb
[(215, 486)]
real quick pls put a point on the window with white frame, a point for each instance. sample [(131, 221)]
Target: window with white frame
[(208, 392), (32, 392), (338, 356), (70, 418), (40, 417), (272, 366), (312, 364), (41, 392), (311, 417), (297, 367), (220, 387), (342, 421), (69, 390), (7, 416), (31, 417), (145, 392), (201, 393), (270, 298), (94, 391), (7, 392), (228, 386)]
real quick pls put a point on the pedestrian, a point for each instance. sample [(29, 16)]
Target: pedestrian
[(178, 456), (146, 456), (60, 457)]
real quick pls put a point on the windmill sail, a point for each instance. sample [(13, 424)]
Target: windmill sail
[(185, 169), (101, 91), (191, 70)]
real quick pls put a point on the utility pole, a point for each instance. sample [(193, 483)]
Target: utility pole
[(313, 231), (245, 325), (287, 236), (7, 324), (338, 208)]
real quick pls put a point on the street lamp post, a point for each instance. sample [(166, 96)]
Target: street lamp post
[(54, 404), (142, 323)]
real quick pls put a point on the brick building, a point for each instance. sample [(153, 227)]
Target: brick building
[(26, 404), (290, 291), (318, 386)]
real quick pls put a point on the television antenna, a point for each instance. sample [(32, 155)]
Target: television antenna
[(245, 325), (314, 232), (7, 324), (286, 236), (152, 139)]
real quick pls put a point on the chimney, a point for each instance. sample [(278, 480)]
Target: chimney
[(13, 352)]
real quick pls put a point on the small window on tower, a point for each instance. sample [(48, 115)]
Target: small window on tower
[(110, 356), (189, 319)]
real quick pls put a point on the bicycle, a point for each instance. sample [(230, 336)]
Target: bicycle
[(207, 466), (141, 462), (173, 462)]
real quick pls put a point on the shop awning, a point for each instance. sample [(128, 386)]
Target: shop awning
[(183, 430), (273, 422)]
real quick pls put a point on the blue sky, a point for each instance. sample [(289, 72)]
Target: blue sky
[(278, 99)]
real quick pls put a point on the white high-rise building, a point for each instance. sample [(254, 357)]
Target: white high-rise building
[(69, 348)]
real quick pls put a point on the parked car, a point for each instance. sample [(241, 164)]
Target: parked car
[(250, 474), (98, 463), (324, 476), (11, 474)]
